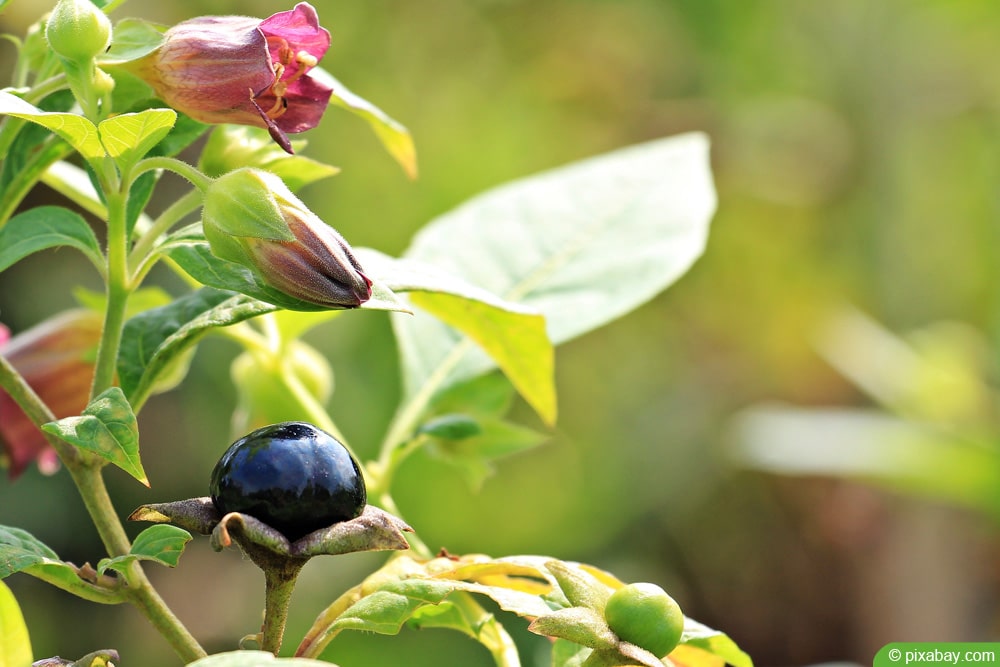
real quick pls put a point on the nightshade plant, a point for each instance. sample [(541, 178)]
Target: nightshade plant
[(98, 111)]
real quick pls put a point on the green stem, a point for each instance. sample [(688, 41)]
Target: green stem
[(278, 585), (86, 473), (179, 167), (118, 292)]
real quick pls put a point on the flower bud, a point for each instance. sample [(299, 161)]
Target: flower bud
[(237, 69), (251, 217), (77, 30), (56, 358)]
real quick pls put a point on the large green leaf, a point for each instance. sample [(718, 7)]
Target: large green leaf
[(512, 335), (46, 227), (582, 245), (78, 132), (15, 646), (155, 339), (106, 427)]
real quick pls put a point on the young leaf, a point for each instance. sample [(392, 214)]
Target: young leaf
[(393, 135), (108, 428), (47, 227), (255, 659), (582, 245), (78, 132), (129, 136), (161, 544), (155, 338), (15, 646)]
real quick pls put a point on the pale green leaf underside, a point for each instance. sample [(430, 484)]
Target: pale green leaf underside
[(582, 245)]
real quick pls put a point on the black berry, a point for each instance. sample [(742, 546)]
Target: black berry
[(292, 476)]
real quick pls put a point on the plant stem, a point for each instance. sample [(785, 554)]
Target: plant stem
[(278, 585), (171, 216), (84, 468), (118, 291), (179, 167)]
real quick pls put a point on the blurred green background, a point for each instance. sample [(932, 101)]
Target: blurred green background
[(855, 148)]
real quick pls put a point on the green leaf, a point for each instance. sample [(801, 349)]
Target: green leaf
[(716, 643), (108, 428), (154, 339), (132, 39), (79, 132), (513, 336), (475, 453), (22, 552), (19, 549), (129, 136), (161, 544), (196, 258), (582, 245), (254, 659), (394, 136), (46, 227), (233, 146), (451, 427), (15, 646)]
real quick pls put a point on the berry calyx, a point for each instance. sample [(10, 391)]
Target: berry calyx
[(292, 476)]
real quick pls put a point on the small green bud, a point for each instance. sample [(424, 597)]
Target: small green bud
[(78, 31), (643, 614)]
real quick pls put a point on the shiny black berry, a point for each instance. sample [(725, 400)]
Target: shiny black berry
[(292, 476)]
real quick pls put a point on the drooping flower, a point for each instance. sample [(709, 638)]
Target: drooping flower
[(56, 357), (242, 70), (251, 217)]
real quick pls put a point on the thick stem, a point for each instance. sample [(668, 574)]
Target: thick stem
[(279, 582), (118, 292)]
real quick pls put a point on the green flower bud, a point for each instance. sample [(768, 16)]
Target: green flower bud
[(251, 217), (78, 31), (643, 614)]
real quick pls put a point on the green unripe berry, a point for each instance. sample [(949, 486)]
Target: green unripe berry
[(643, 614), (77, 30)]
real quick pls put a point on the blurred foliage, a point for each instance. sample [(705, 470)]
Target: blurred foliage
[(856, 154)]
